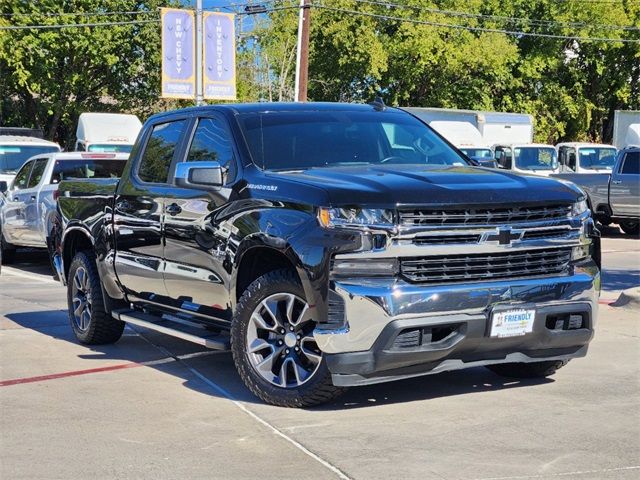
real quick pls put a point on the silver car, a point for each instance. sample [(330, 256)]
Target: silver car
[(28, 211)]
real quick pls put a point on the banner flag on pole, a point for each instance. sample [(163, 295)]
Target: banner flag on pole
[(178, 53), (219, 56)]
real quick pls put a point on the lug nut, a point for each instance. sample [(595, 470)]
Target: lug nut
[(282, 331), (291, 328), (297, 349), (280, 342), (299, 337), (287, 351)]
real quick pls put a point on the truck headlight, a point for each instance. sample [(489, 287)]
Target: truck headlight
[(579, 207), (358, 217)]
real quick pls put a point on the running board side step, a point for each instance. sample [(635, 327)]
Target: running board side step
[(195, 335)]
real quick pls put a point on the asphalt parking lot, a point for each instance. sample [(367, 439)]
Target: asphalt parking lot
[(151, 406)]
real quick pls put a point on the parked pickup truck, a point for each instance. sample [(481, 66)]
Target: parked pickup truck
[(329, 245), (27, 214), (614, 197)]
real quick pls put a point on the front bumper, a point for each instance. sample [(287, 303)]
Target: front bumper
[(365, 349)]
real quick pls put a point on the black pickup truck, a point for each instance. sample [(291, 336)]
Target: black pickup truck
[(329, 245)]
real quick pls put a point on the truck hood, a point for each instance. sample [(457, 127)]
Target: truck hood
[(410, 185)]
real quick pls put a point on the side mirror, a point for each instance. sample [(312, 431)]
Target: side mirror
[(199, 175), (4, 187)]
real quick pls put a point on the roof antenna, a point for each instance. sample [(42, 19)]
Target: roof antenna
[(378, 104)]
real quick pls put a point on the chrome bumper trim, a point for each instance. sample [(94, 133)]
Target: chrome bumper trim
[(371, 304)]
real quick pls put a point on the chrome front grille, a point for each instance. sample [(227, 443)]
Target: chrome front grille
[(486, 266), (435, 217)]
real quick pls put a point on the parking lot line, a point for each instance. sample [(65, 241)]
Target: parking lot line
[(120, 366)]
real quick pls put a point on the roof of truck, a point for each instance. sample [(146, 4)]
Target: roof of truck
[(117, 128), (23, 140), (521, 145), (83, 156), (583, 144), (267, 107)]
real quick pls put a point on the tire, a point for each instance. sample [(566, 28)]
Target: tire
[(528, 370), (631, 227), (8, 251), (51, 252), (90, 322), (303, 379)]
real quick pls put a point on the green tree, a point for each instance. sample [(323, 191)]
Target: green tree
[(49, 76)]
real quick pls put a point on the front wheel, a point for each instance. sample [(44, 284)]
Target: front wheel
[(631, 227), (91, 323), (528, 370), (273, 346)]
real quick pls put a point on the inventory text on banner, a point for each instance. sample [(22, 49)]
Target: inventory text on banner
[(219, 56)]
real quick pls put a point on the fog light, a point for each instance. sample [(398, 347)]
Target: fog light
[(385, 267), (579, 252)]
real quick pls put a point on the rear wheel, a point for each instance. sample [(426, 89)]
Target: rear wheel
[(90, 322), (8, 253), (631, 227), (273, 345), (528, 370)]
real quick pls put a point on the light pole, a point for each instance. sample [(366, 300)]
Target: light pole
[(199, 89)]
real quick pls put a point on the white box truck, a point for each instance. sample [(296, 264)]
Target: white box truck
[(626, 128), (107, 132), (475, 132)]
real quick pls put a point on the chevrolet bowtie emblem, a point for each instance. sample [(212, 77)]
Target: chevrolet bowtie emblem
[(504, 236)]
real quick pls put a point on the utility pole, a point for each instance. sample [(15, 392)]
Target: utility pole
[(302, 53), (199, 82)]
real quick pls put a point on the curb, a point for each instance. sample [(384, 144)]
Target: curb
[(629, 298)]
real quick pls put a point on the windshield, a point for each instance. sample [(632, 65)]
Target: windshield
[(106, 148), (66, 169), (478, 153), (12, 157), (301, 140), (597, 158), (536, 158)]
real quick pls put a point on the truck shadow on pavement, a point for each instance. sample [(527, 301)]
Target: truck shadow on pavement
[(142, 346)]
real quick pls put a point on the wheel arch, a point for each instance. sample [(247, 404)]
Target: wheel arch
[(74, 239)]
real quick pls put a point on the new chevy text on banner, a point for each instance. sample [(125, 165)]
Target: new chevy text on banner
[(219, 75), (178, 53)]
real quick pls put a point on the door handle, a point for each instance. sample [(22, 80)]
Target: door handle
[(173, 209), (616, 182)]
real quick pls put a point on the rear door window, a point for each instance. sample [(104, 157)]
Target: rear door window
[(37, 172), (159, 151), (631, 165)]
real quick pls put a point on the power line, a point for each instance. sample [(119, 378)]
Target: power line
[(496, 17), (108, 24), (470, 28), (78, 14)]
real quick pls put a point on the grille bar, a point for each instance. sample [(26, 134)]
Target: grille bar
[(480, 267), (482, 216)]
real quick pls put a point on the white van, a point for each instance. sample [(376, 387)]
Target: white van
[(107, 132), (15, 150)]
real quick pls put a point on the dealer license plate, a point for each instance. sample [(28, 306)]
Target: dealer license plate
[(512, 323)]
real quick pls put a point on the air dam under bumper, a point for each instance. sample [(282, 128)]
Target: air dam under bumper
[(399, 330)]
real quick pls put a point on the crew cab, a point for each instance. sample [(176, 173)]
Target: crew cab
[(329, 245), (28, 212), (614, 197)]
